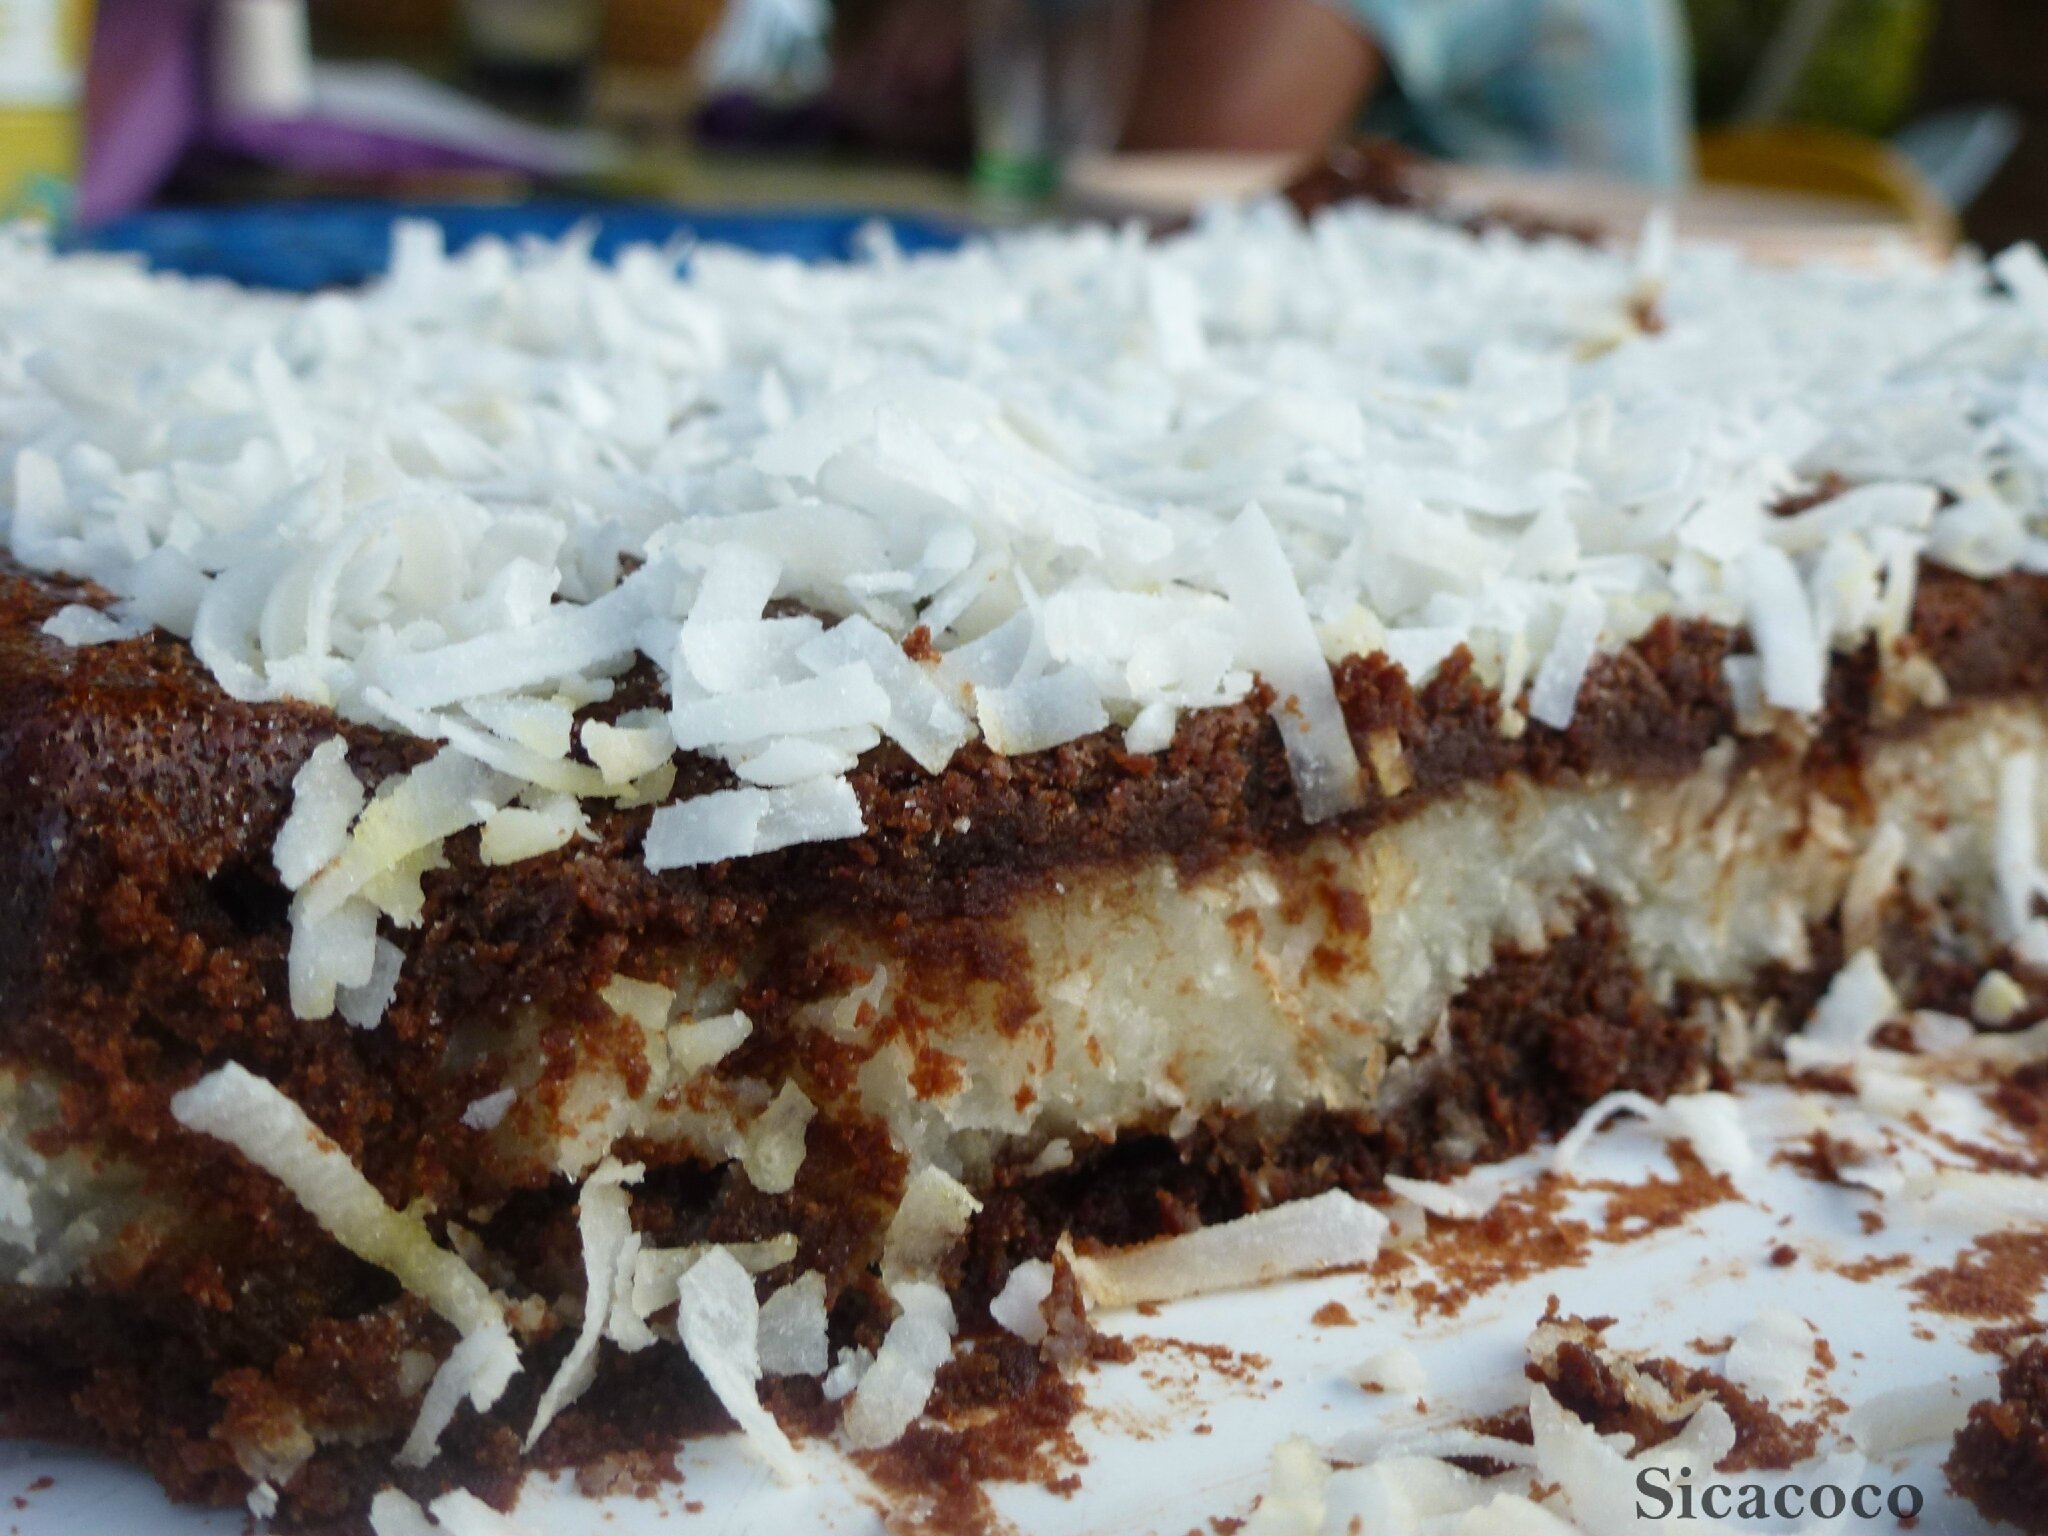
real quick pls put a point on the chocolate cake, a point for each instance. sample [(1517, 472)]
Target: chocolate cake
[(595, 853)]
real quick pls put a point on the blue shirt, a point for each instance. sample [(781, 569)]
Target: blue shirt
[(1591, 85)]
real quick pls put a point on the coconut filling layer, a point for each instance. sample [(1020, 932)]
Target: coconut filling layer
[(1302, 980)]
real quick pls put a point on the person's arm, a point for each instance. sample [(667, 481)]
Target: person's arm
[(1275, 75)]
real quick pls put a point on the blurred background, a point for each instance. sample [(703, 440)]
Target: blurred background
[(290, 129)]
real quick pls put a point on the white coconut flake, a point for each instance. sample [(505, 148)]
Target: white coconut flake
[(326, 799), (1398, 1370), (2025, 276), (478, 1369), (697, 1045), (1052, 1157), (1595, 1119), (846, 1373), (894, 1389), (542, 726), (42, 506), (1981, 537), (931, 1218), (1860, 509), (1445, 1200), (1710, 1122), (1889, 1094), (395, 1514), (1856, 1004), (1151, 729), (165, 589), (841, 699), (488, 1112), (364, 1005), (512, 834), (1296, 1492), (1599, 1483), (1771, 1355), (1329, 1231), (1781, 622), (1020, 1305), (1397, 1494), (604, 1224), (658, 1272), (792, 760), (772, 1149), (1277, 639), (1040, 713), (739, 823), (1997, 999), (569, 640), (719, 1321), (1976, 1197), (1940, 1034), (921, 719), (77, 625), (417, 811), (252, 1116), (1554, 695), (331, 953), (1925, 1413), (631, 748), (793, 1339), (1404, 1447), (2016, 843)]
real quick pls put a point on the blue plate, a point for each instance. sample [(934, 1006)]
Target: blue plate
[(301, 247)]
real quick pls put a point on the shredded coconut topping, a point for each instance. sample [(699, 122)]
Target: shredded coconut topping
[(1112, 480)]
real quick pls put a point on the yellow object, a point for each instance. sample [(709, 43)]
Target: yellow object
[(42, 104), (1826, 162)]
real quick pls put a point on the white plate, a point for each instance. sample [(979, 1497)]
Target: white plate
[(1149, 1470)]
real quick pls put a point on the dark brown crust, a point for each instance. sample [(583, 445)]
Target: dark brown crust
[(2000, 1458)]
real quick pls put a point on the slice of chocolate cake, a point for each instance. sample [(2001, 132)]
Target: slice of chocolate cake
[(568, 820)]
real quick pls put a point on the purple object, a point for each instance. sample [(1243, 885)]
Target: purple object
[(337, 149), (149, 105), (145, 101)]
